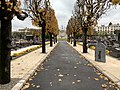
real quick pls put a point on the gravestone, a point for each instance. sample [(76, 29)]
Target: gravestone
[(100, 52)]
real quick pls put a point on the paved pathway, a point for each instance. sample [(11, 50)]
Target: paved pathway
[(111, 68), (65, 69)]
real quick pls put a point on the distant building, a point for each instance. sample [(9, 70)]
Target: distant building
[(31, 31), (27, 32), (111, 29), (108, 29), (62, 34)]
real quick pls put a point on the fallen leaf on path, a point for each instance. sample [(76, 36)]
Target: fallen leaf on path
[(78, 81), (101, 76), (46, 69), (75, 67), (73, 82), (75, 75), (30, 79), (90, 65), (98, 73), (67, 74), (96, 79), (105, 78), (46, 60), (104, 85), (88, 77), (27, 85), (60, 75), (59, 80), (42, 68), (37, 86), (35, 73), (50, 83), (58, 70), (33, 85)]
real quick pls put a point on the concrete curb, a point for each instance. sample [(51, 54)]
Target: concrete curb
[(109, 75), (25, 78)]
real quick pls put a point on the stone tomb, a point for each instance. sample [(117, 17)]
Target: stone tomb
[(100, 52)]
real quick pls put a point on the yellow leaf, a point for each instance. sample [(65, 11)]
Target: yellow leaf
[(8, 9), (105, 78), (3, 7), (96, 79), (116, 1), (89, 65), (26, 86), (8, 3), (15, 8), (104, 85), (101, 76)]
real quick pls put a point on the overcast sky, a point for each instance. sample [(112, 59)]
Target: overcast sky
[(63, 10)]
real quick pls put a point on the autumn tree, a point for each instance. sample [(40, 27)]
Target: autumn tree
[(88, 12), (115, 2), (76, 28), (55, 29), (73, 27), (37, 10), (69, 31), (52, 24), (9, 9)]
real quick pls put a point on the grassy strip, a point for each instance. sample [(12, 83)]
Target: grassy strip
[(17, 54)]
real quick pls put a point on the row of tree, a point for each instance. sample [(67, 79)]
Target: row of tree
[(85, 16), (42, 15)]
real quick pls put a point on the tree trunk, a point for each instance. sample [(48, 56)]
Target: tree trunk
[(43, 37), (74, 35), (71, 39), (51, 44), (54, 39), (85, 29), (68, 38), (5, 51)]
